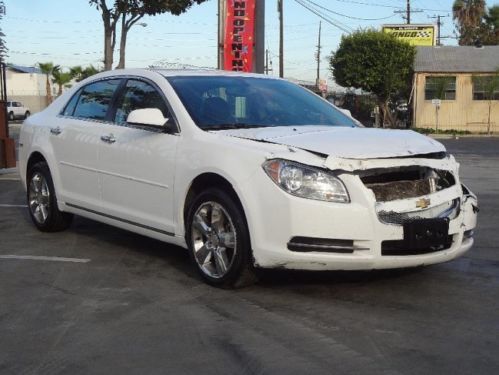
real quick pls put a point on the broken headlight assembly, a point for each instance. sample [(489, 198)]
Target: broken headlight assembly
[(305, 181)]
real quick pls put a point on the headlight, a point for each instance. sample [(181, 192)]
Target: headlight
[(306, 182)]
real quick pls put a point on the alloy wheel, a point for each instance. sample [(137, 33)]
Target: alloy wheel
[(214, 239), (39, 197)]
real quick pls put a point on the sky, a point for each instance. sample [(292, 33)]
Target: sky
[(70, 32)]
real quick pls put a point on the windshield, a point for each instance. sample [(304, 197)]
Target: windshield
[(235, 102)]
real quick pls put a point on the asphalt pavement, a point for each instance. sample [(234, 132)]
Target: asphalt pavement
[(96, 299)]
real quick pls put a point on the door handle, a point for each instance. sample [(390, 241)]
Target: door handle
[(108, 138), (56, 131)]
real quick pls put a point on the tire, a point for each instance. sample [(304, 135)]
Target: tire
[(11, 116), (27, 114), (219, 246), (42, 200)]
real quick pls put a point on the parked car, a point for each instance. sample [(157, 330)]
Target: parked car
[(245, 171), (16, 110)]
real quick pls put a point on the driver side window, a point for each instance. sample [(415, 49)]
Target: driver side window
[(138, 95)]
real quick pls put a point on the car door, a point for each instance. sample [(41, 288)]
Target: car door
[(75, 137), (18, 109), (138, 163)]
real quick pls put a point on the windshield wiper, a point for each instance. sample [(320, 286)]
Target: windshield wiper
[(231, 126)]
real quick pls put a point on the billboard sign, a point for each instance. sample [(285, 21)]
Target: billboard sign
[(239, 35), (416, 35)]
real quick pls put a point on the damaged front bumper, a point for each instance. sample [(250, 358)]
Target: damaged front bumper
[(364, 234)]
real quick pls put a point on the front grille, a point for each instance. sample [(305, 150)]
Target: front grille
[(407, 182), (449, 210), (400, 247)]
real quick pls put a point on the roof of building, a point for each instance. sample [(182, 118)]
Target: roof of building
[(24, 69), (457, 59)]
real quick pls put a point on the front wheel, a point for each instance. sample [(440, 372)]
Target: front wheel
[(11, 116), (27, 114), (42, 201), (218, 240)]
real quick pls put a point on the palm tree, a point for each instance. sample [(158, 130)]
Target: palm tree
[(79, 73), (468, 15), (60, 78), (47, 69)]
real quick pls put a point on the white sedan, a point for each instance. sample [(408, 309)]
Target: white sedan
[(245, 171)]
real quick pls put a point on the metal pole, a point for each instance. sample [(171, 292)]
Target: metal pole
[(259, 50), (281, 38), (319, 56), (266, 61), (408, 12), (439, 23), (221, 33)]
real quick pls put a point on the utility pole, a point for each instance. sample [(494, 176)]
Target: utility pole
[(259, 49), (408, 12), (221, 33), (439, 26), (281, 38), (318, 56)]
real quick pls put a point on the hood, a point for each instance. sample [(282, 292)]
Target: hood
[(345, 142)]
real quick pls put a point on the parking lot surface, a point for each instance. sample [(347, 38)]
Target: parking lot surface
[(96, 299)]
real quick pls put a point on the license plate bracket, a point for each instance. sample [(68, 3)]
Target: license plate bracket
[(426, 234)]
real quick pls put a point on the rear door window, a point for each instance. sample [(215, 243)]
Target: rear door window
[(95, 100)]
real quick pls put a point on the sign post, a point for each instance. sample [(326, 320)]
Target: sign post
[(436, 103)]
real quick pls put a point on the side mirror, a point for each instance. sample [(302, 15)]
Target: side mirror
[(147, 117)]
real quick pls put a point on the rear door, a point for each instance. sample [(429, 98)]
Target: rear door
[(75, 137)]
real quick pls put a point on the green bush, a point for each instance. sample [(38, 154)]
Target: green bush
[(439, 131)]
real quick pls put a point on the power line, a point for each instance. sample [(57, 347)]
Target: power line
[(386, 5), (325, 18), (347, 16)]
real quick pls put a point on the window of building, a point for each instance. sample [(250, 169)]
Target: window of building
[(95, 99), (486, 88), (441, 87)]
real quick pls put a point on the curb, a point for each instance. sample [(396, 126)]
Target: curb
[(457, 136)]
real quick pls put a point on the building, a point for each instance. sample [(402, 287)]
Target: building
[(26, 85), (448, 93)]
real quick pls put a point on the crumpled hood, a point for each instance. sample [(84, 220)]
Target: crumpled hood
[(345, 142)]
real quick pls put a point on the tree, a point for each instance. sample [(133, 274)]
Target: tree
[(60, 78), (47, 69), (490, 85), (128, 13), (490, 27), (475, 23), (376, 62), (79, 73)]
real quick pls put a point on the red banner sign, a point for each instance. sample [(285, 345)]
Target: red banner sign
[(239, 35)]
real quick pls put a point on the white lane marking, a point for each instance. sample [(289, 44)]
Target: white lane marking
[(9, 179), (51, 259), (14, 205)]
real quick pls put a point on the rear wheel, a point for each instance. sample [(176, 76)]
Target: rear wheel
[(218, 240), (27, 114), (42, 201), (11, 116)]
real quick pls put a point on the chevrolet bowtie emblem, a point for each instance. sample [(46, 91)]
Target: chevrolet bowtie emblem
[(423, 203)]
